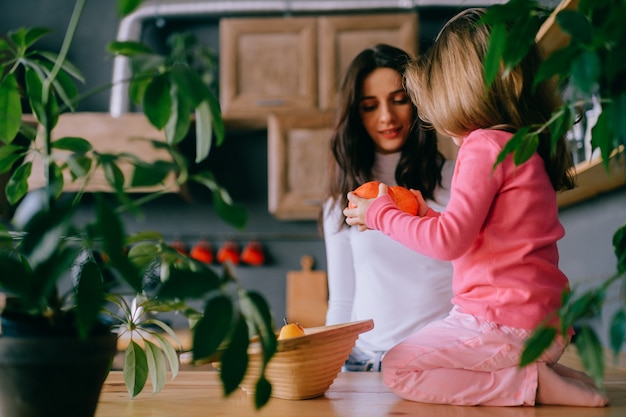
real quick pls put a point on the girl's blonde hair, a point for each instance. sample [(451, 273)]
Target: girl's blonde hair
[(448, 86)]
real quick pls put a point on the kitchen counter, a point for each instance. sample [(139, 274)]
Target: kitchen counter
[(199, 393)]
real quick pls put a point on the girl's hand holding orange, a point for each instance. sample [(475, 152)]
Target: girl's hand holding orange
[(409, 201)]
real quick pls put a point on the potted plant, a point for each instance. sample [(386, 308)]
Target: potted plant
[(44, 248), (590, 67)]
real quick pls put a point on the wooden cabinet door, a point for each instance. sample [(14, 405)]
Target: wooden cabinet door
[(341, 38), (267, 65), (298, 153)]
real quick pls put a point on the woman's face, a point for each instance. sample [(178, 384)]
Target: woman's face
[(386, 110)]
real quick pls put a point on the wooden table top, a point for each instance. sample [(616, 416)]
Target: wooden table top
[(363, 394)]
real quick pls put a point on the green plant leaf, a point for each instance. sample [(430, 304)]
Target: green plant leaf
[(150, 174), (9, 155), (10, 109), (79, 165), (180, 120), (537, 343), (135, 368), (156, 366), (142, 254), (20, 281), (64, 86), (585, 306), (170, 353), (591, 353), (128, 48), (125, 7), (235, 357), (74, 144), (617, 331), (520, 38), (50, 272), (512, 144), (144, 235), (44, 232), (56, 181), (586, 72), (26, 37), (493, 58), (45, 108), (113, 175), (257, 312), (67, 66), (214, 326), (616, 120), (89, 297), (227, 210), (157, 103), (111, 231), (204, 131), (561, 124), (601, 137), (188, 84), (5, 236), (557, 63), (619, 247), (217, 121), (576, 24), (186, 284), (262, 392), (526, 148), (17, 187)]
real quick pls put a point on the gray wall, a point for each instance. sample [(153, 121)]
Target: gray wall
[(586, 251)]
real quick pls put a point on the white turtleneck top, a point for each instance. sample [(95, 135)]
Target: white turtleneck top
[(372, 276)]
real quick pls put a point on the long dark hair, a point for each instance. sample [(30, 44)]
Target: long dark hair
[(352, 158)]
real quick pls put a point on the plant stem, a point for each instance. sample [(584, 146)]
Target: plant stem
[(46, 97)]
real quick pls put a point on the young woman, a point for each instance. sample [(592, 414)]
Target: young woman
[(377, 137), (500, 228)]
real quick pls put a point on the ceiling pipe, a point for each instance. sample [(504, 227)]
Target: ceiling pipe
[(130, 27)]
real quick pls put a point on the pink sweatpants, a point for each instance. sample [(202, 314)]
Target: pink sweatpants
[(464, 360)]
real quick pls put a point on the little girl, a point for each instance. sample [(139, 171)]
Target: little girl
[(500, 229)]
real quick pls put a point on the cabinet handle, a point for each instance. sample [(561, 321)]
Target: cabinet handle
[(270, 102)]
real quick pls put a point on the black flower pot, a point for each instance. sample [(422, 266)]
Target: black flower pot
[(53, 376)]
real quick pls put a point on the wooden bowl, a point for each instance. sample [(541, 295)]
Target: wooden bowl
[(305, 367)]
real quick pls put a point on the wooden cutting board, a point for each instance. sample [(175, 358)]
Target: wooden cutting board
[(307, 295)]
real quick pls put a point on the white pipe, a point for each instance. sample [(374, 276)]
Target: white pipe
[(130, 27)]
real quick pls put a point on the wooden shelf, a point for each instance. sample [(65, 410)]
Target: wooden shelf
[(593, 179), (129, 133), (550, 36)]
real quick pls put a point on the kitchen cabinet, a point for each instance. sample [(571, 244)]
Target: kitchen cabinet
[(266, 65), (281, 64), (298, 155)]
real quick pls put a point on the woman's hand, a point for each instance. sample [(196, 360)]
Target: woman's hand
[(357, 207)]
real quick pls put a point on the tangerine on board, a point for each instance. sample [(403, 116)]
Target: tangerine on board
[(202, 251), (403, 197)]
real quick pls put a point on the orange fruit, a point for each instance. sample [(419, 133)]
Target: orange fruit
[(229, 252), (403, 197), (202, 251), (290, 330), (252, 254)]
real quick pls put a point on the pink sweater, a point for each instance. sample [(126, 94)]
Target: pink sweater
[(500, 229)]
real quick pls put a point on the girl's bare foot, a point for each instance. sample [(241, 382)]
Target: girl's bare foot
[(573, 373), (556, 389)]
